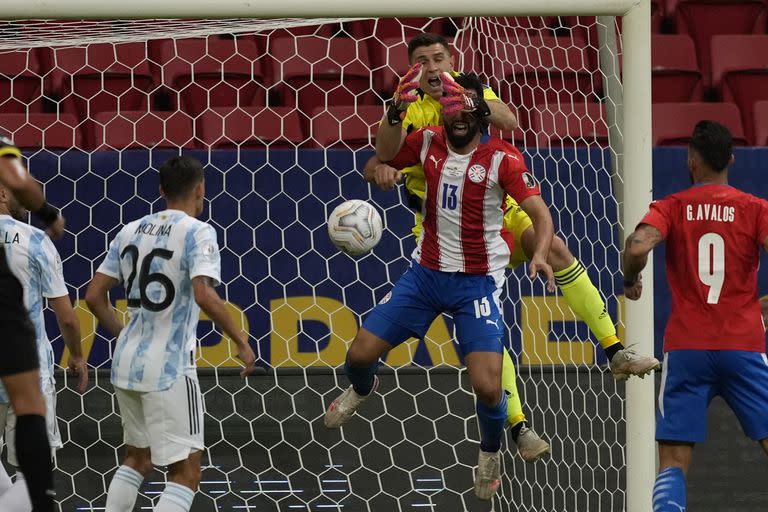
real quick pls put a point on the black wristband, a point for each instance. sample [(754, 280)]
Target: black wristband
[(47, 214), (628, 283), (482, 109), (394, 115)]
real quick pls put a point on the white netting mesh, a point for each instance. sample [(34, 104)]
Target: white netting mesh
[(283, 113)]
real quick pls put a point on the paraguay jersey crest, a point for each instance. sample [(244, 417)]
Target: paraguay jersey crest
[(476, 173)]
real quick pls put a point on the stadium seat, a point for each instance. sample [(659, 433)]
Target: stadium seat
[(276, 127), (100, 78), (674, 71), (140, 129), (48, 131), (351, 127), (540, 68), (402, 28), (704, 19), (212, 72), (740, 72), (319, 72), (389, 61), (673, 122), (761, 123), (20, 82), (579, 123)]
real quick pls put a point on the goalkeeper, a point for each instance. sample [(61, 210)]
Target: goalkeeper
[(416, 105)]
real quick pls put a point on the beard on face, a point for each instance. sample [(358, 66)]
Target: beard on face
[(459, 141)]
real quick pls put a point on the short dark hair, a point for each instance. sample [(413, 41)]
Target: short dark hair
[(426, 39), (179, 175), (714, 144)]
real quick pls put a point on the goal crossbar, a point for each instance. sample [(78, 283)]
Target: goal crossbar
[(144, 9)]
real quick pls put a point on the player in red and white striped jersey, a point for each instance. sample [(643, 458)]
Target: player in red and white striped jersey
[(458, 265), (462, 224)]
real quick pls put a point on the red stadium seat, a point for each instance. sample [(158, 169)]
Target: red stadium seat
[(49, 131), (402, 28), (212, 72), (140, 129), (761, 123), (100, 78), (389, 61), (704, 19), (580, 124), (540, 68), (740, 72), (674, 71), (321, 72), (275, 127), (351, 127), (673, 122), (20, 81), (326, 30)]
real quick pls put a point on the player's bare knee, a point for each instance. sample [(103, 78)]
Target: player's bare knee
[(187, 472), (488, 393), (675, 454), (560, 256), (138, 459), (365, 349)]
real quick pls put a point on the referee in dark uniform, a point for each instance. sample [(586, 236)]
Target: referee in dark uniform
[(19, 365)]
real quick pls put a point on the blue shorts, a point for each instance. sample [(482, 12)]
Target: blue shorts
[(421, 294), (692, 378)]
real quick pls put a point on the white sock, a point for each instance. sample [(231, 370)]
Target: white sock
[(16, 499), (175, 498), (5, 480), (123, 490)]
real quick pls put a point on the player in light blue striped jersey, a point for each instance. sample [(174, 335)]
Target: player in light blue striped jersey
[(169, 263), (34, 260)]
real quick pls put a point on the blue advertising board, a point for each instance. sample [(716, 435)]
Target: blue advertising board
[(300, 298)]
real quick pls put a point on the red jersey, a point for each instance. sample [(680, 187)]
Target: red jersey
[(463, 209), (714, 234)]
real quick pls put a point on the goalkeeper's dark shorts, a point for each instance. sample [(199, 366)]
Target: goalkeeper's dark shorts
[(18, 345)]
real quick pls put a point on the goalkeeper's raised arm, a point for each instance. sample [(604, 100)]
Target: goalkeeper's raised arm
[(416, 101)]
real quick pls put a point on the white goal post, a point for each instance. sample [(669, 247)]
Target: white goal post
[(635, 132)]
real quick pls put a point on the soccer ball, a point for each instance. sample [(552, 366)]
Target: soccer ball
[(355, 227)]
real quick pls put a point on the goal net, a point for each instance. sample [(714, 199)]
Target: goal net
[(283, 114)]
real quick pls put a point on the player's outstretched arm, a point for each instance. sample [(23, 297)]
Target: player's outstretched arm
[(544, 229), (391, 133), (639, 244), (383, 175), (69, 325), (97, 298), (210, 302)]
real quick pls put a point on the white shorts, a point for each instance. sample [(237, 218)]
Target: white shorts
[(169, 422), (8, 421)]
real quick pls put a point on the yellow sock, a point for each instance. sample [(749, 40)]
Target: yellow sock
[(584, 299), (509, 385)]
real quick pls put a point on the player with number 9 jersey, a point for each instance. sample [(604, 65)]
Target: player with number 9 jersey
[(156, 257), (714, 234), (714, 343)]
